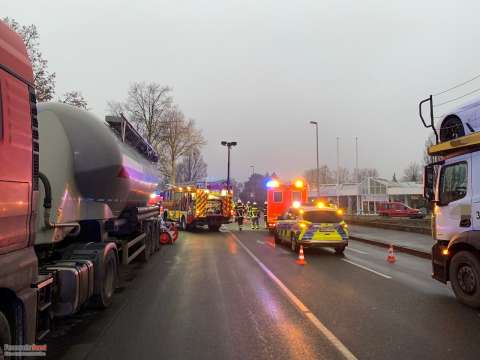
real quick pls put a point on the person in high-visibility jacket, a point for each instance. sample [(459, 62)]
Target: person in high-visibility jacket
[(254, 215), (239, 213), (265, 214)]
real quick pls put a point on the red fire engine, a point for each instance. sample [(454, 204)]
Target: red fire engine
[(198, 204), (283, 195)]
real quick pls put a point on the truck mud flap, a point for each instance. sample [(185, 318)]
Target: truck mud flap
[(439, 264)]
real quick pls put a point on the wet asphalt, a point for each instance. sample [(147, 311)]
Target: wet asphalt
[(206, 298)]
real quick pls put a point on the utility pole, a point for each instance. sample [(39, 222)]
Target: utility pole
[(338, 170), (357, 175), (356, 159), (318, 163), (229, 145), (253, 169)]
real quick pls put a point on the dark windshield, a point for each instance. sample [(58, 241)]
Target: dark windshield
[(320, 216)]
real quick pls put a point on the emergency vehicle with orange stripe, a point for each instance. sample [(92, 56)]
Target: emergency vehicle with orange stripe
[(204, 203), (281, 195)]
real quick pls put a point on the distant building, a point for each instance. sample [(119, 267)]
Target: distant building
[(363, 198)]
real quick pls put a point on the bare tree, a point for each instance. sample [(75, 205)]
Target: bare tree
[(427, 159), (192, 167), (146, 106), (343, 175), (326, 176), (74, 98), (178, 138), (366, 173), (44, 80), (412, 172)]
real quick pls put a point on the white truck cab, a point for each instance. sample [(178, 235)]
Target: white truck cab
[(453, 186)]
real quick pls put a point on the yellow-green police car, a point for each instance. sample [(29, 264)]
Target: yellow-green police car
[(313, 226)]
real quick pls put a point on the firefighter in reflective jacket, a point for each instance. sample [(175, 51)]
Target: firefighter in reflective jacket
[(239, 213), (254, 215), (265, 214)]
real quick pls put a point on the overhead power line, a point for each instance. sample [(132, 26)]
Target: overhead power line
[(457, 86), (457, 98)]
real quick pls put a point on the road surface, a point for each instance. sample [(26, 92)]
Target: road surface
[(234, 295)]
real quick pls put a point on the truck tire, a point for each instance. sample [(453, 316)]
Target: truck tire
[(339, 250), (5, 334), (183, 224), (276, 238), (464, 275), (109, 282), (214, 227), (145, 255), (150, 238), (156, 236), (293, 243)]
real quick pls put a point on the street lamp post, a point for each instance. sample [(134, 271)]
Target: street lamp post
[(338, 170), (318, 164), (229, 145)]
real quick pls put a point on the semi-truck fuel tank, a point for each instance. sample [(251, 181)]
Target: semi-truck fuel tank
[(93, 174)]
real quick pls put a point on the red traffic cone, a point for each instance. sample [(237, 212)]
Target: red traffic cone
[(301, 257), (165, 238), (391, 255)]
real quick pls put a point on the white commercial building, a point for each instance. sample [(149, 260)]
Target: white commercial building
[(363, 198)]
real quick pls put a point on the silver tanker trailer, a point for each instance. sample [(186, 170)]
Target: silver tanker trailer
[(95, 181)]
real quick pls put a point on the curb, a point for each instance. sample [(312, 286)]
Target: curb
[(399, 248), (398, 227)]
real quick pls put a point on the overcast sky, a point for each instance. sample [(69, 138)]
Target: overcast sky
[(258, 71)]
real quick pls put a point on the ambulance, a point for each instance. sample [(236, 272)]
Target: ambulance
[(282, 195)]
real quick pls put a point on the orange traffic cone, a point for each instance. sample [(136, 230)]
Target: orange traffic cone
[(301, 257), (391, 256)]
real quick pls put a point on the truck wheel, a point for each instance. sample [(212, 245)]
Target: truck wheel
[(276, 238), (145, 254), (109, 281), (293, 243), (156, 235), (465, 278), (214, 227), (183, 224), (151, 237), (5, 334), (339, 250)]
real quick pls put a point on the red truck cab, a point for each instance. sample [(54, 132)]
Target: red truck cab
[(18, 189), (397, 209)]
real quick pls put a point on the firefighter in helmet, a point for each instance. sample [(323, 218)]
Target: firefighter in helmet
[(254, 215), (247, 210), (239, 213), (265, 214)]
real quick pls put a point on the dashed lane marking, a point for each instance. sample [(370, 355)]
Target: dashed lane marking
[(261, 242), (368, 269), (342, 349), (356, 250)]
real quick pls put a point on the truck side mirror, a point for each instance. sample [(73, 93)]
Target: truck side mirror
[(429, 182)]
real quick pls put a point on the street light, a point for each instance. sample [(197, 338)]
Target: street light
[(228, 144), (318, 164)]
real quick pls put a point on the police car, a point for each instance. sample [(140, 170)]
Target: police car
[(313, 226)]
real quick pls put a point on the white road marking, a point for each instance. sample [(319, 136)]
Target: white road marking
[(260, 242), (306, 311), (368, 269), (356, 250)]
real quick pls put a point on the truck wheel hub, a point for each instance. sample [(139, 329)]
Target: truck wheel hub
[(467, 279)]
